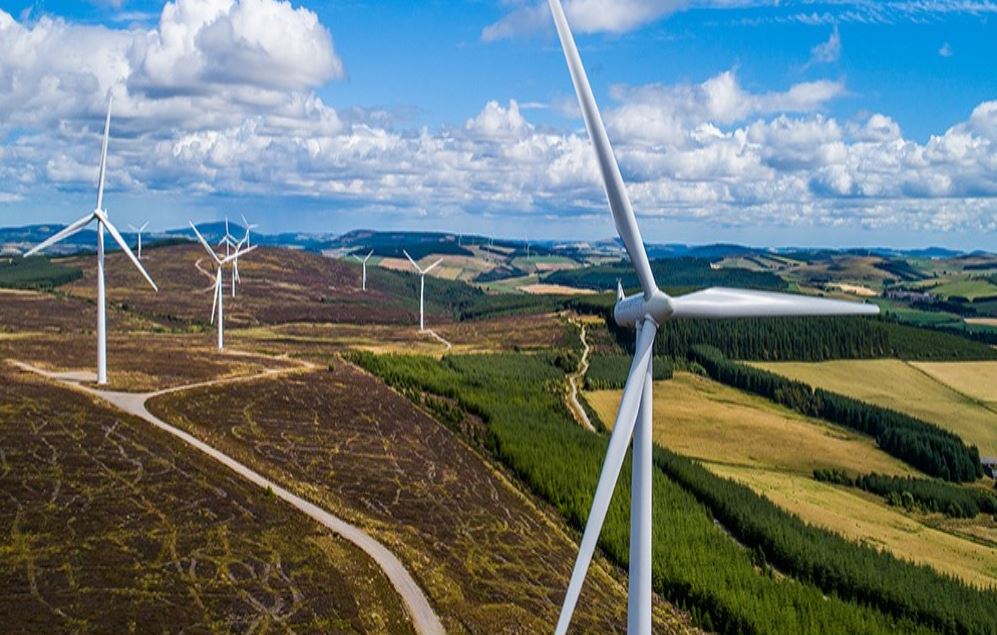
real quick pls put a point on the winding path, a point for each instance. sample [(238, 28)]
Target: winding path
[(424, 618), (573, 382), (439, 338)]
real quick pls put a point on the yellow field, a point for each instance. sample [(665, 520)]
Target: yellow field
[(775, 450), (982, 321), (862, 518), (556, 289), (700, 418), (953, 395)]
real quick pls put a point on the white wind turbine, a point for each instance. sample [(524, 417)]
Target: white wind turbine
[(363, 261), (248, 226), (218, 306), (99, 214), (228, 240), (139, 230), (422, 286), (646, 311)]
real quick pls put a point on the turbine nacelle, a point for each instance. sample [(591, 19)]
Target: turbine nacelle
[(630, 312)]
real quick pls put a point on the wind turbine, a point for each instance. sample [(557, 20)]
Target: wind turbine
[(228, 240), (646, 311), (218, 306), (363, 261), (422, 286), (99, 214), (139, 230), (248, 227)]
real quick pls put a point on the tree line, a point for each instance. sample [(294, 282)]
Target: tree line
[(929, 448), (918, 494), (809, 339)]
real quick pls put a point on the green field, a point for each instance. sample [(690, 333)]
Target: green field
[(774, 451), (910, 388), (971, 289)]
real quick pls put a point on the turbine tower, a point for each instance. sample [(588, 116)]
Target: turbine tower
[(646, 311), (99, 214), (422, 286), (218, 306), (363, 261), (139, 230)]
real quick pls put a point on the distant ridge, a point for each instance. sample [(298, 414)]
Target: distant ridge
[(391, 244)]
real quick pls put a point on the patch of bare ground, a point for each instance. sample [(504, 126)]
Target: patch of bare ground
[(278, 286), (490, 559), (139, 362), (110, 526)]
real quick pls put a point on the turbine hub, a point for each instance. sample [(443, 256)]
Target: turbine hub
[(633, 310)]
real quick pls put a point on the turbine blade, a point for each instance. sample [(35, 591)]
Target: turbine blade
[(207, 247), (433, 266), (719, 302), (626, 419), (103, 157), (616, 192), (367, 257), (144, 225), (125, 248), (133, 228), (417, 268), (66, 232), (236, 255)]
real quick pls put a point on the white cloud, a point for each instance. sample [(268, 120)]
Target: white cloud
[(191, 121), (827, 52), (946, 50)]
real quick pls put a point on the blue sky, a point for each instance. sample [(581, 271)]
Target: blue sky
[(734, 119)]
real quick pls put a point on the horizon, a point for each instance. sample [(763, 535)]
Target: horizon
[(810, 124)]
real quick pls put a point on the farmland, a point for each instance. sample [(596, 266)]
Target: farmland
[(775, 451), (110, 526), (706, 420), (935, 392), (489, 558), (865, 519)]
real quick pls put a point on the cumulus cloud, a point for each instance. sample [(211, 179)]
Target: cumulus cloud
[(946, 50), (191, 120)]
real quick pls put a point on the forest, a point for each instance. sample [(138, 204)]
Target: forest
[(918, 494), (696, 566), (927, 447), (37, 272), (673, 274), (610, 372)]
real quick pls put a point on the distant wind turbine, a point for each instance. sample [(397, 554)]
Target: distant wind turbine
[(248, 227), (647, 311), (139, 230), (99, 214), (218, 306), (422, 286), (228, 240), (363, 261)]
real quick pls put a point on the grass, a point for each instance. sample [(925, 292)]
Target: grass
[(703, 419), (863, 518), (775, 450), (971, 289), (909, 388), (110, 526), (487, 557)]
